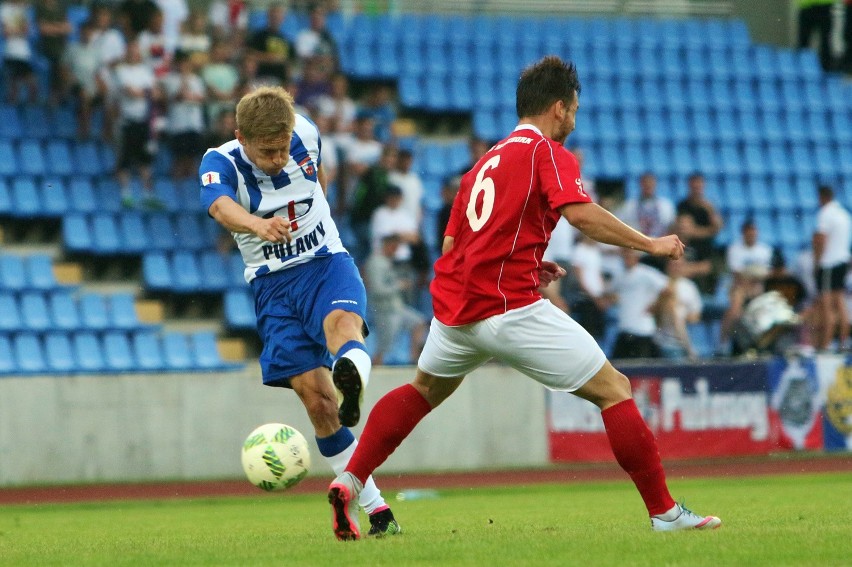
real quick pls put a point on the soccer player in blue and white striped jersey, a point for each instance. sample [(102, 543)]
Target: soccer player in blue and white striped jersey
[(268, 188)]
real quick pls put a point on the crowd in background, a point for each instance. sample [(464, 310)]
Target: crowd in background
[(153, 76)]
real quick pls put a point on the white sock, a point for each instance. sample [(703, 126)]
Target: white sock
[(362, 362), (371, 497)]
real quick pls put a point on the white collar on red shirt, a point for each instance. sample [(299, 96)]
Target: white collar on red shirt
[(528, 126)]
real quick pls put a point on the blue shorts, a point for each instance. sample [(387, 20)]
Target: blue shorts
[(291, 305)]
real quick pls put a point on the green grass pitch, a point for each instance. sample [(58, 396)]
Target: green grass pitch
[(775, 520)]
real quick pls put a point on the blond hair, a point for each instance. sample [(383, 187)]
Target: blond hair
[(266, 113)]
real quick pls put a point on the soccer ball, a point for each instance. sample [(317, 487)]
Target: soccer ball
[(275, 457)]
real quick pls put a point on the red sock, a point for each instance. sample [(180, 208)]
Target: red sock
[(390, 421), (636, 451)]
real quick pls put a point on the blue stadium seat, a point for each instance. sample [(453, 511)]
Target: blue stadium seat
[(205, 351), (63, 310), (82, 195), (167, 192), (161, 231), (841, 125), (755, 161), (132, 232), (63, 122), (8, 159), (188, 190), (108, 195), (59, 157), (7, 358), (59, 353), (13, 276), (819, 130), (109, 159), (10, 123), (802, 159), (31, 158), (94, 313), (105, 238), (35, 121), (117, 352), (157, 271), (76, 233), (186, 275), (29, 353), (26, 203), (149, 351), (87, 158), (774, 128), (88, 351), (236, 271), (10, 314), (239, 310), (122, 311), (54, 197), (176, 352), (34, 312), (5, 199), (39, 272), (214, 276), (190, 234)]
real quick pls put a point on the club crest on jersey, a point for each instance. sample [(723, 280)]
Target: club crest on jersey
[(307, 167), (210, 178), (579, 183)]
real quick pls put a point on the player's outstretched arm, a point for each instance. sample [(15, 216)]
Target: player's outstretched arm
[(599, 224), (232, 216)]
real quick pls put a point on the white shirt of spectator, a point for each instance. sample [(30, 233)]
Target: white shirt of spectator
[(835, 223), (412, 191), (387, 221), (175, 12), (687, 304), (561, 245), (741, 257), (110, 45), (637, 289), (17, 46), (184, 115), (365, 152), (588, 258), (138, 76), (650, 216)]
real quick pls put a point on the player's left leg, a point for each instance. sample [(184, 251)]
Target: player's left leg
[(352, 363)]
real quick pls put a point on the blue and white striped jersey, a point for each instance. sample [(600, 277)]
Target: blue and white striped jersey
[(294, 194)]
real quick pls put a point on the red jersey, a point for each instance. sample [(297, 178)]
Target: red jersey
[(501, 222)]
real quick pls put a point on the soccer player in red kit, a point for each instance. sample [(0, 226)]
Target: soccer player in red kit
[(487, 306)]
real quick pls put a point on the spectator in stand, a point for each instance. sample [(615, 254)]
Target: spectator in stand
[(185, 94), (229, 19), (137, 89), (272, 51), (697, 224), (846, 61), (221, 79), (175, 13), (678, 306), (222, 129), (379, 105), (315, 82), (636, 294), (559, 250), (389, 313), (111, 46), (134, 16), (152, 45), (815, 17), (54, 28), (367, 196), (831, 243), (363, 150), (649, 213), (788, 285), (17, 54), (449, 189), (195, 39), (590, 307), (408, 180), (316, 40), (81, 63), (339, 107), (748, 261)]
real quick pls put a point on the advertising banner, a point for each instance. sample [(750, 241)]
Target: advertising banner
[(694, 410)]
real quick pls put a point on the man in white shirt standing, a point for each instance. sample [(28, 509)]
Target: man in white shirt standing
[(637, 290), (748, 261), (831, 243)]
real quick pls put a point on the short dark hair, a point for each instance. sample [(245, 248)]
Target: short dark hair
[(545, 82), (826, 192)]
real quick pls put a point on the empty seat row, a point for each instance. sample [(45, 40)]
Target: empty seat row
[(55, 157), (67, 310), (186, 271), (27, 272), (111, 351), (134, 232), (37, 121)]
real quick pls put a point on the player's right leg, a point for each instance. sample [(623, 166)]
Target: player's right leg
[(635, 449)]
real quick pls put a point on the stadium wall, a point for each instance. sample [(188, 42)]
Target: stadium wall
[(87, 429)]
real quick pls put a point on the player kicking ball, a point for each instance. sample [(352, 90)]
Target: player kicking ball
[(267, 187), (487, 306)]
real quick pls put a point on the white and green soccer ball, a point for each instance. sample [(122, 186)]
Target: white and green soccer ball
[(275, 457)]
